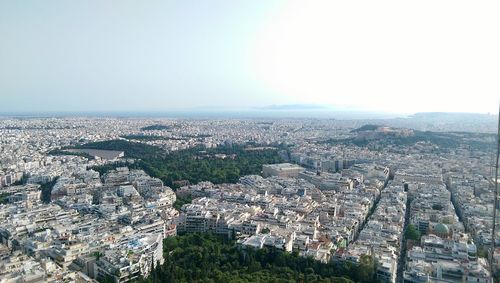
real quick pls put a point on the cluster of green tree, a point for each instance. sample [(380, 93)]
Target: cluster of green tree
[(192, 164), (412, 233), (482, 252), (156, 127), (47, 190), (444, 140), (180, 201), (22, 181), (156, 138), (209, 258), (4, 198), (368, 127), (64, 152), (478, 141)]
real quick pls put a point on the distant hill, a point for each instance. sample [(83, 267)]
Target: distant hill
[(293, 107), (368, 127), (380, 137), (453, 116)]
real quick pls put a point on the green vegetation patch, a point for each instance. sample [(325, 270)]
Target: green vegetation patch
[(4, 198), (193, 165), (444, 140), (47, 190), (368, 127), (412, 233), (210, 258), (157, 138), (180, 201)]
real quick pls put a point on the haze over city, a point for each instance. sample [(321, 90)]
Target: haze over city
[(383, 56)]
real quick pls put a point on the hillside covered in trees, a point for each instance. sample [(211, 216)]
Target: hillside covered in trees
[(443, 140)]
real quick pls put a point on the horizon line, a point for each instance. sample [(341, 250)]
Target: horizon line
[(232, 113)]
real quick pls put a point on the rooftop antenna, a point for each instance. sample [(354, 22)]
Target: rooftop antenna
[(495, 203)]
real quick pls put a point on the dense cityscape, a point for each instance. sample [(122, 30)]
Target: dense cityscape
[(263, 141), (113, 200)]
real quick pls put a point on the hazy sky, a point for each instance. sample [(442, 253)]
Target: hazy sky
[(399, 56)]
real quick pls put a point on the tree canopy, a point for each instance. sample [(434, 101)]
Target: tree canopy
[(217, 165), (210, 258), (47, 190), (412, 233)]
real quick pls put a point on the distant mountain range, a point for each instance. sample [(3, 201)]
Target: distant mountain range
[(453, 116), (294, 107)]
